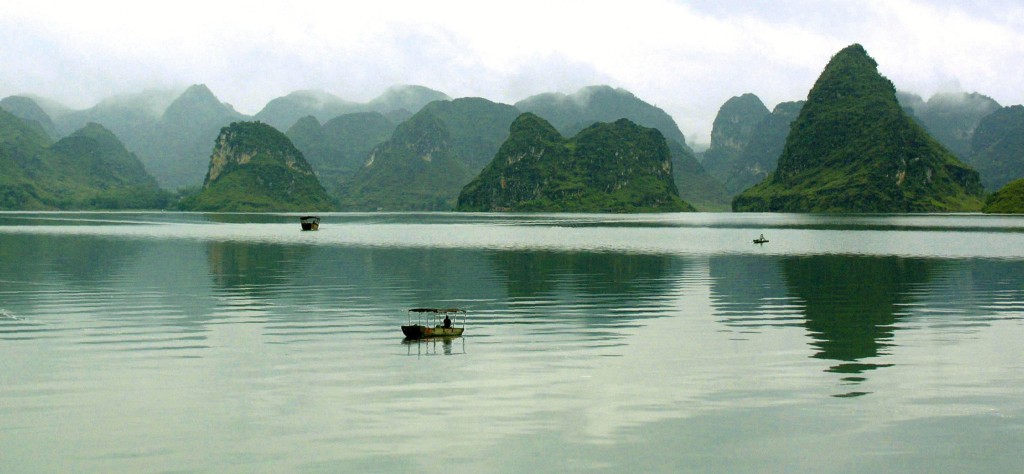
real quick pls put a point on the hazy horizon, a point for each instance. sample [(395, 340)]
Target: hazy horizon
[(687, 58)]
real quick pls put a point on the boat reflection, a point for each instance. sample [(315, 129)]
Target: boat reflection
[(430, 346)]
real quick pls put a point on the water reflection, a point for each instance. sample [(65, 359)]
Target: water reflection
[(84, 262), (851, 303), (254, 268), (850, 306), (283, 347), (435, 346)]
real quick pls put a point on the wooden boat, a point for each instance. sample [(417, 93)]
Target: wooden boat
[(441, 323), (761, 240), (309, 222)]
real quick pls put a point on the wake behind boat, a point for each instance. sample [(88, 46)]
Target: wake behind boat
[(441, 323)]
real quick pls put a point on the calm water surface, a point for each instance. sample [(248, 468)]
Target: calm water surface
[(167, 342)]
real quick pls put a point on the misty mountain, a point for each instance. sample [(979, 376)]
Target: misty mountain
[(170, 131), (27, 109), (417, 169), (760, 154), (854, 149), (571, 113), (283, 112), (950, 117), (730, 133), (607, 167), (477, 128), (408, 99), (695, 185), (89, 169), (178, 150), (997, 147), (339, 147)]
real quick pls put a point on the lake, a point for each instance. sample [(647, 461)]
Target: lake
[(177, 342)]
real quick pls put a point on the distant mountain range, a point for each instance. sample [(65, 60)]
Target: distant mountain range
[(88, 169), (352, 145)]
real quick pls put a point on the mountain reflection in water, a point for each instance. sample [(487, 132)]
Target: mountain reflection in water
[(194, 342)]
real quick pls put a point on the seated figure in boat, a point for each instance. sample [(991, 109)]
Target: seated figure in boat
[(447, 322)]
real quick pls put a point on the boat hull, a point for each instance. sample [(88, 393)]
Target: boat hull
[(416, 331), (309, 222)]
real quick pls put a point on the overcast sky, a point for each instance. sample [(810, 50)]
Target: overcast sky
[(685, 57)]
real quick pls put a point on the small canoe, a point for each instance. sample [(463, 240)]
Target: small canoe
[(760, 241)]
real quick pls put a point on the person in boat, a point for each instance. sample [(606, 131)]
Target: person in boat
[(761, 238), (447, 322)]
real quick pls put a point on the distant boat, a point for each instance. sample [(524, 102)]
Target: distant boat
[(309, 222), (761, 240), (441, 324)]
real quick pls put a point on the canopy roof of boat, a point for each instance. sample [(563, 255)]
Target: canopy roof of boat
[(437, 310)]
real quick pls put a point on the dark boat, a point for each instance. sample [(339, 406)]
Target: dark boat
[(442, 324), (761, 240), (309, 222)]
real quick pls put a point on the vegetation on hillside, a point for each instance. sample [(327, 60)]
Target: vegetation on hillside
[(1008, 200), (88, 170), (854, 149), (608, 167), (256, 168)]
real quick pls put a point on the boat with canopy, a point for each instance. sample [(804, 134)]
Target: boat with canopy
[(434, 322)]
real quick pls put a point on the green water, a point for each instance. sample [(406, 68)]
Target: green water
[(166, 342)]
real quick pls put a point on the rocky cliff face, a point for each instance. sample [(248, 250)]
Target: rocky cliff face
[(730, 133), (760, 155), (607, 167), (854, 149), (241, 142), (255, 168)]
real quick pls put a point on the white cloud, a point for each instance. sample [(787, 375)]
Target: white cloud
[(686, 57)]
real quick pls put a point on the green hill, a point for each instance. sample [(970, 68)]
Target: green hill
[(854, 149), (1008, 200), (338, 149), (570, 114), (607, 167), (90, 169), (282, 113), (255, 168), (27, 109), (477, 128), (415, 170)]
